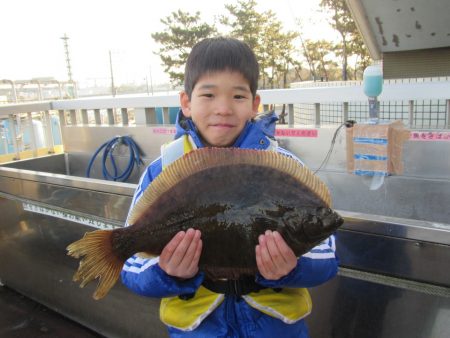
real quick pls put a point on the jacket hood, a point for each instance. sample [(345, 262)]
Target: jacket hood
[(266, 121), (183, 125)]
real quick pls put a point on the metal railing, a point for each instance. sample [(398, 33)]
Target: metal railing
[(421, 105), (36, 90)]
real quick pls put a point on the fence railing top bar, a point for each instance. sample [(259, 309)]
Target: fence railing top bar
[(391, 91), (416, 91), (134, 101), (17, 108), (355, 93)]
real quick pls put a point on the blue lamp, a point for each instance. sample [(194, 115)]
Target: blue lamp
[(373, 86)]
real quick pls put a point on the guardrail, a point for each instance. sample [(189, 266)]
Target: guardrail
[(31, 90), (421, 105)]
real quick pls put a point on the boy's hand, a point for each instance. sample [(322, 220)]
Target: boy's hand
[(274, 258), (181, 255)]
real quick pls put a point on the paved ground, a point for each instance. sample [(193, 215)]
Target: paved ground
[(20, 317)]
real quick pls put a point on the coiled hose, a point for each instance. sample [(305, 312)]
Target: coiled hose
[(109, 147)]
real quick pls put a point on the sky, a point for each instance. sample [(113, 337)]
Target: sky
[(31, 31)]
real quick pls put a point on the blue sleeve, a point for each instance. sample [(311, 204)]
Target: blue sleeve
[(313, 268), (146, 278)]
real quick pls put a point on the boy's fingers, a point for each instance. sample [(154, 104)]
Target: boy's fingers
[(190, 251), (193, 268), (285, 250), (289, 260), (170, 247), (273, 249), (262, 269), (183, 245), (266, 259)]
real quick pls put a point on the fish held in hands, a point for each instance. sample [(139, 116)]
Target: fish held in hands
[(232, 196)]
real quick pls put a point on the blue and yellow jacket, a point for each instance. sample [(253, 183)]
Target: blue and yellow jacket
[(263, 314)]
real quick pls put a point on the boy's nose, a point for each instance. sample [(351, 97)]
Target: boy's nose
[(224, 107)]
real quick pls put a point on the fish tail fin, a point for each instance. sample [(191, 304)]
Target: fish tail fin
[(98, 261)]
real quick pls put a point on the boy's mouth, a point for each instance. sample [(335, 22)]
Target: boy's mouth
[(222, 125)]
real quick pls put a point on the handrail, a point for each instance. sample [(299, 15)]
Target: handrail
[(13, 88), (391, 92), (17, 108)]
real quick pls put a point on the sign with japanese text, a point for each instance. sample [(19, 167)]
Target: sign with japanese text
[(430, 136), (164, 130), (291, 132)]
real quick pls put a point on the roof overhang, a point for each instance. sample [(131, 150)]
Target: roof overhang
[(401, 25)]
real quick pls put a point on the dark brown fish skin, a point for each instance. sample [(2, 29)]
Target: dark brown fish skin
[(229, 243), (231, 207), (232, 195)]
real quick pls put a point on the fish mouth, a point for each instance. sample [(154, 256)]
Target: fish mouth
[(321, 224)]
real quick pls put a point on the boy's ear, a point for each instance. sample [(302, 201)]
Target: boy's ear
[(185, 103), (256, 103)]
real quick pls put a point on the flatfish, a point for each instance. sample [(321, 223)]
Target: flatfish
[(232, 196)]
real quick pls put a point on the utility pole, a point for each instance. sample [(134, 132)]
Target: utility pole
[(146, 82), (151, 80), (66, 49), (113, 89)]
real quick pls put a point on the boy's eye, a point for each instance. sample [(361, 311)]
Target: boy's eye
[(206, 95), (239, 97)]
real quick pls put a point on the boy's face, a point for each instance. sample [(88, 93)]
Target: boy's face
[(220, 105)]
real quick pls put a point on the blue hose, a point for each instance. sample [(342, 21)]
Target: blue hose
[(108, 147)]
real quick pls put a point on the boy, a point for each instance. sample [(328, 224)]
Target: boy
[(218, 109)]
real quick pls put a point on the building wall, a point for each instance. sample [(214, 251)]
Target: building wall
[(417, 63)]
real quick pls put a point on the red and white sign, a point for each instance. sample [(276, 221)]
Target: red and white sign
[(282, 132), (291, 132), (430, 136), (164, 131)]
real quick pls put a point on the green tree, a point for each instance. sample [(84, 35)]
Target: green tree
[(341, 21), (289, 58), (351, 42), (262, 31), (245, 21), (183, 30), (361, 53), (305, 51), (277, 53), (320, 55)]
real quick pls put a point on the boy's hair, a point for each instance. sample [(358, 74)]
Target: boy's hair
[(219, 54)]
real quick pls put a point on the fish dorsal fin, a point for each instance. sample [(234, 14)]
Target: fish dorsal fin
[(204, 158)]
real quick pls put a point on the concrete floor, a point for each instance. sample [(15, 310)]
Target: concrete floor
[(21, 317)]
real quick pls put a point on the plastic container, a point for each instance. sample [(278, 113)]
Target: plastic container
[(373, 80)]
